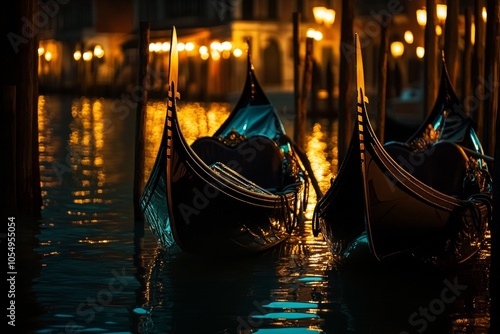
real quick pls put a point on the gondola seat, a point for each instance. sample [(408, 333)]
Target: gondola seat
[(443, 166), (257, 158)]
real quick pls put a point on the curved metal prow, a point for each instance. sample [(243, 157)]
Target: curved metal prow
[(173, 68)]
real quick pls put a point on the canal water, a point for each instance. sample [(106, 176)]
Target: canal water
[(96, 270)]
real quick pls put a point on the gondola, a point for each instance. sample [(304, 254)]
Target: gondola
[(446, 126), (241, 191), (376, 211)]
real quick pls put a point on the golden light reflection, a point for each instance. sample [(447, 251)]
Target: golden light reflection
[(48, 145), (86, 144), (93, 242), (319, 157), (196, 120)]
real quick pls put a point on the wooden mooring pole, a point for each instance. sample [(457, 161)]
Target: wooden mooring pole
[(382, 81), (491, 74), (430, 58), (346, 79), (477, 110), (493, 103), (141, 119), (296, 73), (301, 115), (21, 194)]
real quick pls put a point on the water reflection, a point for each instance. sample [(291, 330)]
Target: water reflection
[(198, 119), (96, 278)]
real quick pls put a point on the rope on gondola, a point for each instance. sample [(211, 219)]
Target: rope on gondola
[(485, 199)]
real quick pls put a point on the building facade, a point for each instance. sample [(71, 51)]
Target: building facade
[(91, 46)]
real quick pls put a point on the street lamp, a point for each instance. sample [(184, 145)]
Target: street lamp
[(408, 37), (87, 55), (420, 52), (98, 51), (441, 11), (317, 35), (422, 16), (397, 49), (324, 15)]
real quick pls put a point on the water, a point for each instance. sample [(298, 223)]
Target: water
[(94, 270)]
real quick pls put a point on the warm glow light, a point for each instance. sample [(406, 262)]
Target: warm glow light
[(48, 56), (157, 47), (472, 33), (485, 14), (441, 11), (226, 54), (216, 46), (420, 52), (237, 53), (226, 45), (77, 55), (189, 46), (408, 37), (439, 30), (319, 13), (215, 55), (203, 50), (151, 47), (165, 46), (422, 16), (98, 51), (329, 17), (323, 15), (87, 55), (317, 35), (204, 56), (397, 49), (41, 50), (181, 47)]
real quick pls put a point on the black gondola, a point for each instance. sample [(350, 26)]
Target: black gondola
[(376, 209), (242, 190)]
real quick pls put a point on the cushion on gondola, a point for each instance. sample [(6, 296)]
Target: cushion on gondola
[(443, 166), (258, 158)]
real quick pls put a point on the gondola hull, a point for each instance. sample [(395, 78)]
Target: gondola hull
[(375, 210), (210, 212), (240, 191)]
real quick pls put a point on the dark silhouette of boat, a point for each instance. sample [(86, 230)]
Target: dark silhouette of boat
[(436, 211), (242, 190)]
